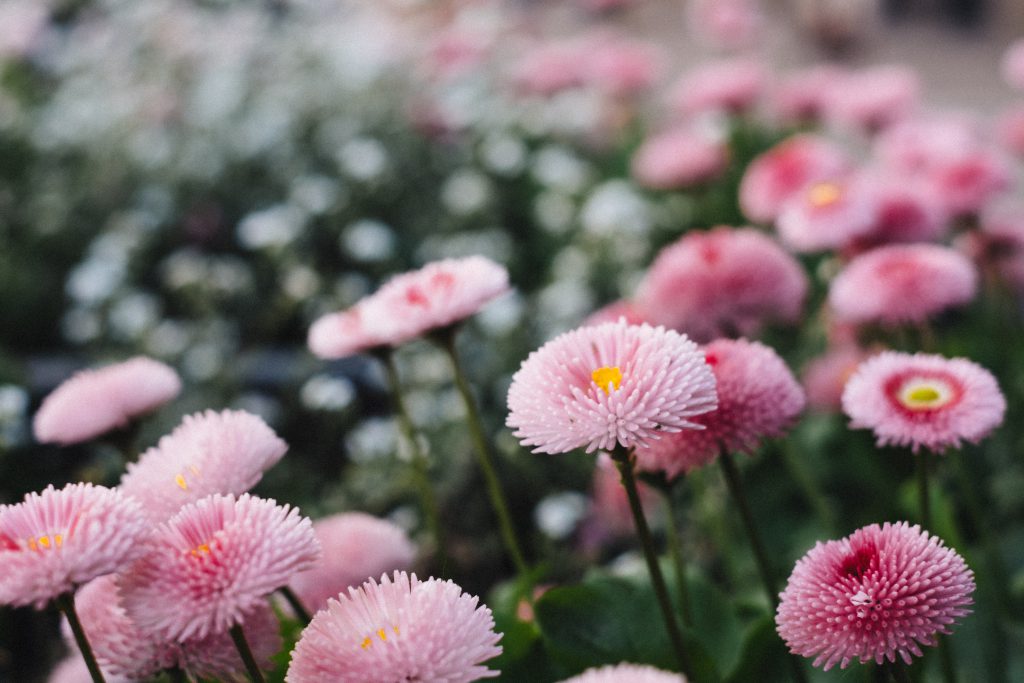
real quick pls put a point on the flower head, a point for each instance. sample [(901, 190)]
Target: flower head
[(902, 283), (883, 591), (802, 96), (225, 452), (732, 86), (827, 214), (722, 282), (342, 334), (923, 400), (356, 546), (871, 99), (94, 402), (626, 673), (1013, 65), (400, 629), (56, 540), (213, 562), (607, 385), (825, 376), (677, 158), (758, 397)]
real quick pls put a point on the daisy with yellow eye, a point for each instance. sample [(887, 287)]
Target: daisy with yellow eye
[(828, 214)]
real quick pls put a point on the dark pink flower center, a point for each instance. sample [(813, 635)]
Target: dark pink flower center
[(858, 562), (922, 393)]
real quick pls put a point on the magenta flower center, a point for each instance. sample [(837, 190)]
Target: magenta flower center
[(607, 379)]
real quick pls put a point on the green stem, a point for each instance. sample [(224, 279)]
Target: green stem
[(808, 486), (624, 461), (675, 549), (243, 649), (66, 604), (485, 459), (923, 495), (946, 658), (177, 675), (296, 604)]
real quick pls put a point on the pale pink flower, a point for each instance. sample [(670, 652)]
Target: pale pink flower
[(907, 209), (967, 182), (726, 24), (342, 334), (1003, 222), (214, 562), (802, 96), (22, 23), (610, 513), (679, 158), (872, 99), (614, 311), (828, 214), (93, 402), (400, 629), (225, 452), (758, 398), (620, 67), (785, 170), (902, 283), (1013, 65), (1009, 129), (731, 86), (883, 591), (825, 376), (456, 51), (356, 546), (626, 673), (608, 385), (74, 670), (923, 400), (56, 540), (550, 68), (722, 282)]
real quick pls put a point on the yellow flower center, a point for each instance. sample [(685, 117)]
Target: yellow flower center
[(824, 194), (607, 376), (180, 480), (925, 394), (381, 633), (45, 542)]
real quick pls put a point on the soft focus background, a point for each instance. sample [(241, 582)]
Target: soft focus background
[(199, 180)]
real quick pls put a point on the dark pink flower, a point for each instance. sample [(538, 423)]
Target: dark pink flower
[(923, 400), (94, 402), (882, 592), (732, 86), (679, 158), (907, 209)]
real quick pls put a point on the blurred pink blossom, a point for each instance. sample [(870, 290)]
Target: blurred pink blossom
[(828, 214), (872, 99), (731, 86), (679, 158), (726, 24), (1013, 65)]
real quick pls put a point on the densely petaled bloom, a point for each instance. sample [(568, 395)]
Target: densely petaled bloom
[(73, 669), (400, 629), (923, 400), (341, 334), (883, 591), (802, 96), (213, 562), (827, 214), (873, 98), (732, 86), (56, 540), (626, 673), (612, 312), (722, 282), (225, 452), (678, 158), (907, 209), (123, 649), (93, 402), (356, 546), (758, 397), (902, 283), (608, 385), (786, 169)]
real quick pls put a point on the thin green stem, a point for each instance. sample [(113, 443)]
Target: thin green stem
[(296, 604), (946, 658), (66, 604), (485, 459), (923, 494), (624, 461), (675, 549), (242, 645)]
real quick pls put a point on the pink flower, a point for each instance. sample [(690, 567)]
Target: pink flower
[(785, 170), (825, 377), (400, 629), (1009, 129), (828, 214), (93, 402), (679, 158), (620, 67), (967, 182), (1013, 65), (923, 400), (883, 591), (610, 513), (342, 334), (874, 98), (726, 24), (608, 385), (626, 673), (56, 540), (551, 68), (208, 453), (731, 86), (723, 282), (356, 546), (802, 96), (907, 209), (615, 310), (902, 283), (213, 563), (74, 670), (758, 398)]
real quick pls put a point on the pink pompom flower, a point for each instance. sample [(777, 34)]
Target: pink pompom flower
[(209, 452), (722, 282), (608, 385), (802, 96), (679, 158), (902, 283), (620, 67), (614, 311), (356, 546), (93, 402), (825, 376), (214, 562), (828, 214), (343, 333), (57, 540), (74, 670), (626, 673), (923, 400), (758, 398), (726, 24), (401, 629), (1013, 65), (874, 98), (732, 86), (907, 209), (882, 592), (550, 68)]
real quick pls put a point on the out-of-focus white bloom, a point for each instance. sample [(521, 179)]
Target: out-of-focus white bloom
[(277, 226), (368, 240), (554, 211), (503, 154), (503, 315), (133, 314), (465, 192), (316, 193), (364, 159), (558, 168), (300, 282), (615, 208), (558, 514), (93, 281), (324, 392), (372, 439)]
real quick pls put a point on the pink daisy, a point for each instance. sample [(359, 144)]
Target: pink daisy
[(342, 334), (825, 376), (874, 98), (785, 170), (356, 546), (615, 310), (883, 591), (923, 400), (732, 86), (225, 452), (828, 214), (608, 385), (56, 540), (907, 209), (620, 67), (726, 24), (902, 283), (678, 158), (1009, 128), (214, 562), (74, 670), (802, 96), (400, 629), (550, 68), (94, 402), (1013, 65), (722, 282), (626, 673), (758, 398)]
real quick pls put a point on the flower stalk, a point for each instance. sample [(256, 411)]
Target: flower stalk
[(66, 604)]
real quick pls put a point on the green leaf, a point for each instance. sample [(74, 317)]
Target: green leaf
[(762, 655)]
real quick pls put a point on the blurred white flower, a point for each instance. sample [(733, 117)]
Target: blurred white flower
[(465, 192), (324, 392), (368, 240), (558, 168), (615, 207), (558, 514), (363, 159), (277, 226)]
